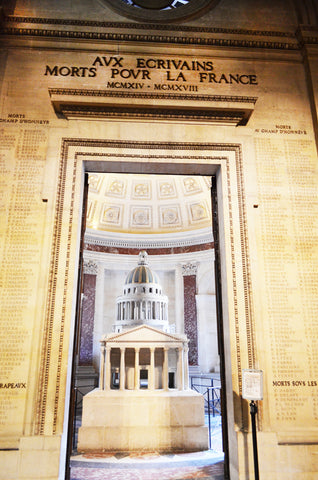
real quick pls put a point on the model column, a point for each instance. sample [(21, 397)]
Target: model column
[(122, 376), (102, 366), (180, 379), (137, 385), (165, 382), (152, 369), (186, 366), (107, 369)]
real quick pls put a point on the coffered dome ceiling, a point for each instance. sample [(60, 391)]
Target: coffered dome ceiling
[(148, 204)]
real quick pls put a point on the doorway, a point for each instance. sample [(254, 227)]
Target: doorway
[(206, 380), (222, 160)]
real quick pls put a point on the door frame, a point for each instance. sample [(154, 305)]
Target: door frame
[(82, 155)]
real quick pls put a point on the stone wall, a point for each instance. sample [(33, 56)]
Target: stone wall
[(250, 118)]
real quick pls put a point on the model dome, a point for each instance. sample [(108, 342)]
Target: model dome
[(142, 273), (142, 301)]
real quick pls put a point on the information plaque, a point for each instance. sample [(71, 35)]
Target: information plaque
[(252, 388)]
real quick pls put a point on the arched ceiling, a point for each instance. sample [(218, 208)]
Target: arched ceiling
[(148, 204)]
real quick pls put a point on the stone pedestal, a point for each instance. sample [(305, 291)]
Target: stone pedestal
[(158, 420)]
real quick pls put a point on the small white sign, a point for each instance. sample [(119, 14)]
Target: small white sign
[(252, 388)]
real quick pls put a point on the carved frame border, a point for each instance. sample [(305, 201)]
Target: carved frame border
[(40, 423)]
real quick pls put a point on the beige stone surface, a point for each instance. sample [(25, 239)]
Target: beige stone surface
[(38, 458), (142, 420), (267, 198), (9, 465), (276, 460)]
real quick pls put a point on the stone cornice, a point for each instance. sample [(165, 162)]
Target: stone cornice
[(106, 93), (142, 242), (129, 32), (307, 35), (185, 40), (214, 116), (221, 109), (144, 26), (117, 250)]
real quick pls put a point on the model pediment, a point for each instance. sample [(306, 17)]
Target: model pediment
[(144, 333)]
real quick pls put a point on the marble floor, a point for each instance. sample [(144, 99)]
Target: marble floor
[(148, 466)]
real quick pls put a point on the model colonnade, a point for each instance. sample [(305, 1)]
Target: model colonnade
[(135, 367)]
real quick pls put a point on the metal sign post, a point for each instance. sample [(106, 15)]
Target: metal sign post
[(253, 390), (253, 412)]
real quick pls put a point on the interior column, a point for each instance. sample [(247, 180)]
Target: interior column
[(189, 272), (88, 313)]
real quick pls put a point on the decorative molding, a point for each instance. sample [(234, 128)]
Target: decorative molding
[(150, 113), (221, 109), (59, 260), (140, 216), (146, 38), (145, 26), (79, 92), (169, 216), (109, 239), (307, 35), (111, 215), (115, 250)]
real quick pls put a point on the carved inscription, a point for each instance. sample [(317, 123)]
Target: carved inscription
[(22, 154), (157, 73), (287, 177)]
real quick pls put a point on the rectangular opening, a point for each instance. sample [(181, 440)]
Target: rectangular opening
[(172, 380), (143, 374), (143, 378)]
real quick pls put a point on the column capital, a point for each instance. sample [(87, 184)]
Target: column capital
[(190, 268), (90, 267)]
